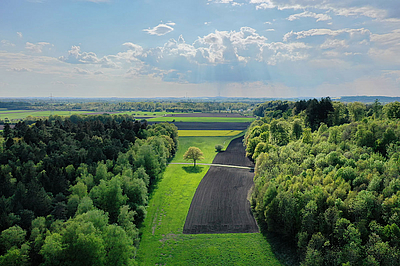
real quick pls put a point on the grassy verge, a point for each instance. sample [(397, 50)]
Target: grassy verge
[(162, 240), (203, 119)]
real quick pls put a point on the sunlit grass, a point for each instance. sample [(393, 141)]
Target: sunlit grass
[(208, 133), (203, 119), (163, 242)]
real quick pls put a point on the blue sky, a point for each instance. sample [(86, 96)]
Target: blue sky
[(243, 48)]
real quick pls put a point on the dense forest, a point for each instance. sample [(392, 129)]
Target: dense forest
[(327, 178), (74, 190)]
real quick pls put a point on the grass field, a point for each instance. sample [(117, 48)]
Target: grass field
[(162, 240), (22, 114), (203, 119), (208, 133)]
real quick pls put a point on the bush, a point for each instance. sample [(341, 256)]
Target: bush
[(219, 147)]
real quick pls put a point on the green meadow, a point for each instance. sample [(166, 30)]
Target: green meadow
[(162, 240), (203, 119), (22, 114)]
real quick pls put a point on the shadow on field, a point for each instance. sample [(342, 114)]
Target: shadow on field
[(193, 169), (284, 250)]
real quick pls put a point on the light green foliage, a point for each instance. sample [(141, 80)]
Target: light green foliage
[(335, 192), (392, 110), (16, 257), (108, 196), (194, 154), (12, 237), (356, 111), (307, 136)]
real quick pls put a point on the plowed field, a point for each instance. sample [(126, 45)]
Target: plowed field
[(220, 203)]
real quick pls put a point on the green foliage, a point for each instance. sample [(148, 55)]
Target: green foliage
[(194, 154), (334, 192), (219, 147)]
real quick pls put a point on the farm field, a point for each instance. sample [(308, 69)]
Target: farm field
[(21, 114), (220, 203), (163, 242), (202, 119), (208, 133), (209, 126), (204, 115)]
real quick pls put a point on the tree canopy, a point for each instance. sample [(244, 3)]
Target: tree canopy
[(194, 154)]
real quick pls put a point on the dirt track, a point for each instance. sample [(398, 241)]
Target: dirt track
[(220, 203)]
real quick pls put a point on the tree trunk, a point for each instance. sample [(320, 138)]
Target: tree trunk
[(194, 161)]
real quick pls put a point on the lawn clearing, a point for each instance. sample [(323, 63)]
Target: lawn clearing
[(202, 119), (163, 242), (208, 133)]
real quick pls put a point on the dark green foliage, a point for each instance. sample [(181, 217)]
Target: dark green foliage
[(64, 181)]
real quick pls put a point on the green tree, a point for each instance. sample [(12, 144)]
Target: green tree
[(193, 153)]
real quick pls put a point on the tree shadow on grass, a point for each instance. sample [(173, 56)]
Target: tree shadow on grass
[(193, 169)]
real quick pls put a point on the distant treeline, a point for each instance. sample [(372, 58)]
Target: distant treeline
[(73, 191), (147, 106), (327, 178)]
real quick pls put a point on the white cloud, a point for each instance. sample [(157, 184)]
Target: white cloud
[(36, 48), (75, 56), (19, 34), (170, 23), (267, 22), (263, 4), (322, 32), (270, 30), (81, 71), (6, 43), (159, 30), (20, 69), (308, 14)]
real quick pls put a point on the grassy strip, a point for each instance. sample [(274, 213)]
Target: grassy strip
[(208, 133), (203, 119), (162, 240)]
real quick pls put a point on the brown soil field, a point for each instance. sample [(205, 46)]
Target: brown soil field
[(206, 115), (220, 204), (209, 125)]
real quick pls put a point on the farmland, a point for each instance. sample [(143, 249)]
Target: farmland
[(163, 241), (202, 119), (208, 133)]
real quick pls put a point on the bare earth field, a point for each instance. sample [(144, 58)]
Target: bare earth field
[(209, 125), (220, 203)]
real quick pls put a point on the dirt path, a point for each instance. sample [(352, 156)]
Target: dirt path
[(220, 204)]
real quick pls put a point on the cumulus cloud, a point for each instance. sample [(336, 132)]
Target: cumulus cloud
[(159, 30), (308, 14), (19, 34), (75, 56), (263, 4), (36, 48)]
